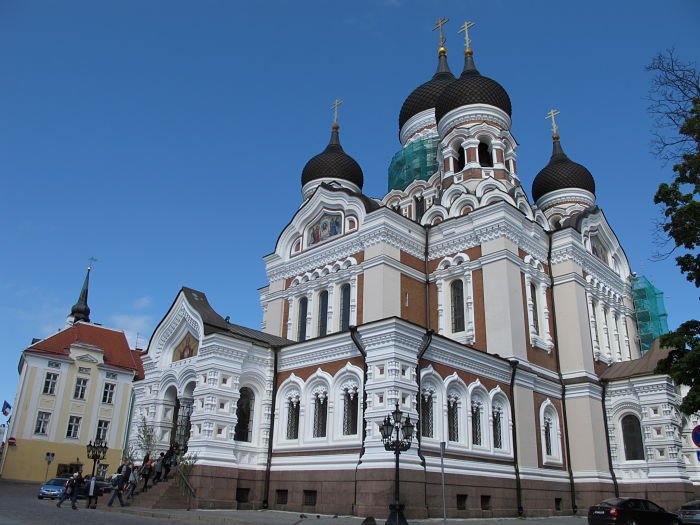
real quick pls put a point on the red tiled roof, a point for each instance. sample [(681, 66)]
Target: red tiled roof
[(140, 374), (113, 344)]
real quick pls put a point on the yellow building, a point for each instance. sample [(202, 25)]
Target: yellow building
[(74, 387)]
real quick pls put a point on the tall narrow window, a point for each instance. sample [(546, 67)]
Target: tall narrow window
[(244, 413), (453, 420), (42, 423), (344, 307), (320, 414), (108, 393), (80, 388), (73, 430), (303, 311), (548, 435), (535, 308), (426, 405), (420, 207), (485, 158), (497, 416), (293, 419), (350, 405), (323, 313), (102, 429), (476, 423), (632, 437), (50, 383), (457, 298), (461, 160)]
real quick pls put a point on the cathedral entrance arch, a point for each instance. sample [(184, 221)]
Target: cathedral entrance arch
[(181, 413)]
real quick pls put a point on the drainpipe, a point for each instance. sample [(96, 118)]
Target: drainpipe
[(427, 277), (604, 384), (567, 444), (425, 344), (514, 434), (268, 467), (363, 352)]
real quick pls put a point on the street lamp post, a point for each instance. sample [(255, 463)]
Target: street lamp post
[(394, 424), (96, 452)]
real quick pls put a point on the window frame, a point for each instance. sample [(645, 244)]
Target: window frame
[(41, 425), (80, 389), (102, 430), (111, 392), (52, 383), (73, 428)]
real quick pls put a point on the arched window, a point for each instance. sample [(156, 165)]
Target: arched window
[(420, 207), (453, 419), (485, 158), (320, 414), (548, 438), (323, 313), (550, 434), (350, 406), (426, 407), (303, 311), (477, 407), (457, 298), (344, 307), (535, 308), (632, 437), (244, 413), (461, 159), (293, 418), (497, 423)]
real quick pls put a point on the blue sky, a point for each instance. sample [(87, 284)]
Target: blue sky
[(167, 138)]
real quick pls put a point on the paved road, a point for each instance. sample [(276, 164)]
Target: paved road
[(20, 506)]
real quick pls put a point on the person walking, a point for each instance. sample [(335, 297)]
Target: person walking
[(71, 490), (133, 481), (158, 468), (167, 463), (146, 470), (92, 492), (117, 487)]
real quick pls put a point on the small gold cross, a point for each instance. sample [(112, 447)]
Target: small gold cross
[(337, 102), (465, 29), (438, 25), (553, 113)]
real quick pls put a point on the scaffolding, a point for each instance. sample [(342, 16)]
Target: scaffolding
[(417, 161), (652, 318)]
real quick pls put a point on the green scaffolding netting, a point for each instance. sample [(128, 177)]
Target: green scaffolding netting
[(417, 161), (652, 318)]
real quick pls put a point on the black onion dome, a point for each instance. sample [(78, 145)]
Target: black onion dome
[(561, 173), (333, 163), (425, 96), (81, 310), (471, 88)]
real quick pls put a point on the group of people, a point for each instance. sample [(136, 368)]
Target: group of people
[(125, 480)]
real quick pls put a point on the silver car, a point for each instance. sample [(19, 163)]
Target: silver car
[(53, 488)]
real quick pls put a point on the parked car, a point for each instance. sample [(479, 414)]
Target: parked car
[(630, 511), (690, 512), (52, 489)]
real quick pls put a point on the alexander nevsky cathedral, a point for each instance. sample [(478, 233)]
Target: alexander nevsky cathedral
[(498, 318)]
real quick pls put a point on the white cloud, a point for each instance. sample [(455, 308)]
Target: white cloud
[(142, 302), (136, 327)]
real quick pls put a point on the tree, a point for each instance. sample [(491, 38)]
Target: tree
[(675, 104), (145, 436)]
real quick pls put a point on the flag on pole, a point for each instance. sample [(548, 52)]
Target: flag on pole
[(6, 408)]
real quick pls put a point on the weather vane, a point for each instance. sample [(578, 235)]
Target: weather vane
[(553, 113), (91, 260), (465, 29), (337, 102), (438, 25)]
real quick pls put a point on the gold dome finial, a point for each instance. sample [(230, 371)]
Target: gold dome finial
[(442, 50), (555, 129), (467, 41)]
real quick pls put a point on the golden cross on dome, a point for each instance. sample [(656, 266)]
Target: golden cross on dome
[(465, 29), (553, 113), (337, 102), (91, 260), (438, 25)]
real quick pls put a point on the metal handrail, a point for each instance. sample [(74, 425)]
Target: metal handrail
[(186, 487)]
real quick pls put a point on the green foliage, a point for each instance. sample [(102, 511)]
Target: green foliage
[(681, 204), (683, 362), (145, 436)]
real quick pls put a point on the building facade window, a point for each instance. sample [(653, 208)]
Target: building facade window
[(497, 423), (42, 423), (457, 302), (301, 320), (535, 309), (476, 423), (320, 414), (293, 418), (50, 382), (323, 313), (350, 407), (453, 420), (244, 414), (344, 307), (632, 438), (80, 388), (426, 406), (536, 303), (102, 429), (550, 434), (108, 393), (73, 431), (485, 158)]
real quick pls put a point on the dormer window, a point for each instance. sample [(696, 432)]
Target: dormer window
[(485, 158)]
